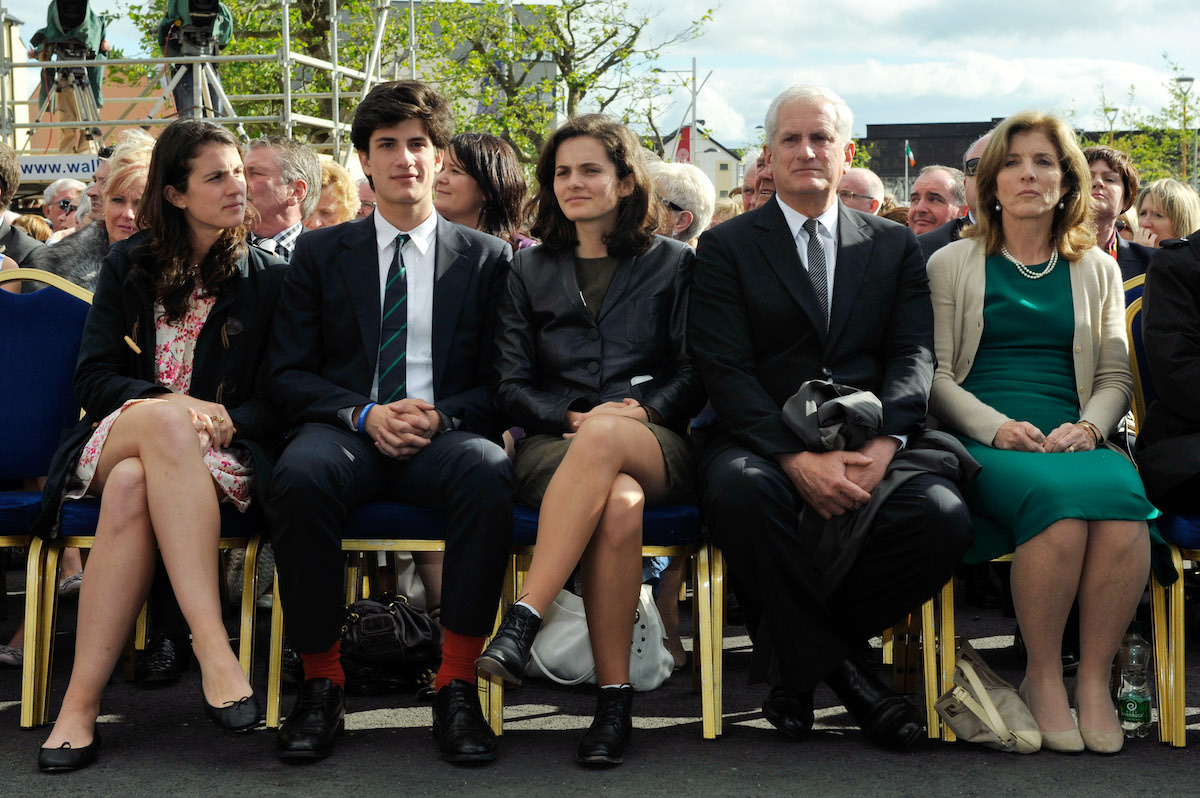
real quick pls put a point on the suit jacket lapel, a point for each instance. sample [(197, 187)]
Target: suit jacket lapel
[(620, 282), (778, 248), (853, 255), (452, 277), (360, 270)]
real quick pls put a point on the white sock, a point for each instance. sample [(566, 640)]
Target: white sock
[(614, 686), (526, 606)]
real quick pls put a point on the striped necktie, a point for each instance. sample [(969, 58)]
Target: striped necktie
[(393, 334), (816, 267)]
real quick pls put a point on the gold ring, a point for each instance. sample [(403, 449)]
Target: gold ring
[(221, 420), (1071, 448)]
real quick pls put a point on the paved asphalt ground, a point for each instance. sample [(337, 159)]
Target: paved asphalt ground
[(158, 743)]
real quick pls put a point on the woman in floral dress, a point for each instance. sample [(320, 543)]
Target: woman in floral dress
[(167, 374)]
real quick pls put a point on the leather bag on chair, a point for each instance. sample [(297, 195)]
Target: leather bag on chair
[(983, 708), (562, 651)]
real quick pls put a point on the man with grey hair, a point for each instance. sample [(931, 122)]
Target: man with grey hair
[(689, 196), (951, 231), (862, 190), (800, 294), (284, 180), (59, 201), (15, 243), (937, 197)]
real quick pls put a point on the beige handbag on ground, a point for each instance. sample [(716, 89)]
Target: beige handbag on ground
[(983, 708)]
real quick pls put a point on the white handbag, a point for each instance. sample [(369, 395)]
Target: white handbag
[(562, 651), (983, 708)]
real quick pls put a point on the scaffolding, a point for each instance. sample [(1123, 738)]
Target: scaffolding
[(158, 93)]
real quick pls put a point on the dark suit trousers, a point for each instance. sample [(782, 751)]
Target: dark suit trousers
[(751, 508), (327, 471)]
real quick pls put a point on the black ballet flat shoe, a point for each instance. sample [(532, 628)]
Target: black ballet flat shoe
[(508, 652), (314, 723), (463, 734), (241, 715), (885, 717), (65, 758), (605, 740), (791, 714)]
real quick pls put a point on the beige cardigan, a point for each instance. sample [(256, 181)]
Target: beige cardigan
[(1104, 383)]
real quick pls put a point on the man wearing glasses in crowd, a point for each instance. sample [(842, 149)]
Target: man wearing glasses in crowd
[(935, 239), (60, 200), (862, 190)]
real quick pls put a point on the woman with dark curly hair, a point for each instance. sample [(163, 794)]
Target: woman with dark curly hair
[(593, 365), (481, 186), (173, 427)]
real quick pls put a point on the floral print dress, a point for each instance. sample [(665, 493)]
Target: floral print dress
[(174, 350)]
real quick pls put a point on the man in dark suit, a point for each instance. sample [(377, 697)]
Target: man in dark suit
[(1168, 442), (381, 353), (805, 288), (951, 231)]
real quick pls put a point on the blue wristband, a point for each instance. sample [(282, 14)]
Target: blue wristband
[(362, 416)]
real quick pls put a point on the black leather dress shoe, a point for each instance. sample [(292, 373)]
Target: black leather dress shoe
[(241, 715), (791, 714), (164, 660), (314, 723), (508, 652), (605, 740), (463, 735), (885, 717), (65, 758)]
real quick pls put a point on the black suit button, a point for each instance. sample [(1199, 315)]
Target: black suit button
[(593, 367), (593, 335)]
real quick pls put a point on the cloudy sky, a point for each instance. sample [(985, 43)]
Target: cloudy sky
[(904, 60), (898, 61)]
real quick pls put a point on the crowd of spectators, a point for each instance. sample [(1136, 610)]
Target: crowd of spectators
[(886, 391)]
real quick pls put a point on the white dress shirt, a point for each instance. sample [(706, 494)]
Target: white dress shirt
[(419, 265), (827, 229)]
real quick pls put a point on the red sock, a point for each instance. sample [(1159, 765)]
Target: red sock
[(459, 653), (326, 665)]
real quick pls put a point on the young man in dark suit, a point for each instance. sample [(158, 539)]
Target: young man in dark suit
[(381, 354), (806, 289)]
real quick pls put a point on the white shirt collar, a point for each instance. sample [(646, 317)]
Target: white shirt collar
[(795, 219), (422, 235)]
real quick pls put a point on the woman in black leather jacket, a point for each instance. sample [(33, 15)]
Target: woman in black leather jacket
[(166, 374), (593, 365)]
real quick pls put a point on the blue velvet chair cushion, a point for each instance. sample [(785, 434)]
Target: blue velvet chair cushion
[(1182, 530), (671, 525), (79, 519), (393, 520), (18, 510)]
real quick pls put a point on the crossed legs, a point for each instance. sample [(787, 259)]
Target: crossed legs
[(155, 494), (1105, 563), (592, 512)]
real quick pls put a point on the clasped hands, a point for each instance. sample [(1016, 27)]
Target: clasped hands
[(834, 483), (1021, 436), (402, 428), (211, 420), (628, 407)]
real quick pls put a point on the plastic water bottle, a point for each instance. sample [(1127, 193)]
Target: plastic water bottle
[(1133, 694)]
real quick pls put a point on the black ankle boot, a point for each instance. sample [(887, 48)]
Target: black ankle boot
[(508, 652), (605, 740)]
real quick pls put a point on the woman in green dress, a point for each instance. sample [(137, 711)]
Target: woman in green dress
[(1033, 373)]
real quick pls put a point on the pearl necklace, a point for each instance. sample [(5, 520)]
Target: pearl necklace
[(1025, 270)]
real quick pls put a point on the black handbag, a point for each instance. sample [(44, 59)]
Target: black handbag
[(388, 645)]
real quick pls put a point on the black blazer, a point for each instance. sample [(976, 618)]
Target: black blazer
[(554, 356), (326, 338), (937, 238), (225, 368), (1132, 258), (1168, 443), (757, 332), (15, 243)]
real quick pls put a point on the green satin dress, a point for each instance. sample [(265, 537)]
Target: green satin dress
[(1025, 370)]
